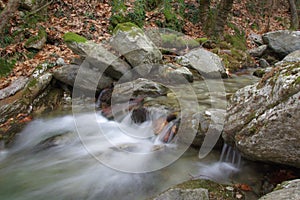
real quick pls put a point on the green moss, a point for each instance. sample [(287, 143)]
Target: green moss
[(259, 73), (252, 130), (32, 83), (73, 37), (6, 67), (201, 40), (41, 34), (297, 81), (178, 42), (128, 26)]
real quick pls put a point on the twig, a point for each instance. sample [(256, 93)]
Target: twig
[(40, 8)]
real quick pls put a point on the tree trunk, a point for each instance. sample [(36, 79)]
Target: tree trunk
[(294, 15), (223, 11), (7, 13), (204, 9)]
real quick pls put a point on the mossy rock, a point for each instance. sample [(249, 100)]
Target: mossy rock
[(70, 37), (216, 190), (178, 42), (259, 73), (38, 41), (128, 27)]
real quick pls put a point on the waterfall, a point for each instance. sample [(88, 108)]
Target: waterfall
[(230, 155)]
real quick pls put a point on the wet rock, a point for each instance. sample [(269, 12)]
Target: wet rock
[(184, 194), (206, 63), (259, 51), (101, 59), (282, 42), (89, 78), (262, 119), (139, 115), (14, 87), (131, 42), (55, 141), (198, 190), (286, 190)]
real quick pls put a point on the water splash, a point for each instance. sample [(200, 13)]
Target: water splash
[(230, 155)]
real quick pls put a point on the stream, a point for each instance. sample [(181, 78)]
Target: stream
[(50, 160)]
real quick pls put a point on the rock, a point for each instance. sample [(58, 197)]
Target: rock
[(139, 87), (130, 41), (67, 74), (22, 100), (60, 62), (263, 63), (256, 38), (184, 194), (14, 87), (263, 119), (139, 115), (282, 42), (100, 58), (206, 63), (286, 190), (292, 57), (176, 74), (37, 42), (259, 51), (197, 189), (259, 73)]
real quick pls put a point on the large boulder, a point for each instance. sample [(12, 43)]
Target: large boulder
[(263, 119), (292, 57), (68, 73), (286, 190), (98, 56), (184, 194), (130, 41), (282, 42), (205, 62)]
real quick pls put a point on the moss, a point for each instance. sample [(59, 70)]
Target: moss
[(259, 73), (128, 26), (41, 34), (201, 40), (179, 42), (73, 37), (297, 81), (216, 191), (6, 66), (252, 130)]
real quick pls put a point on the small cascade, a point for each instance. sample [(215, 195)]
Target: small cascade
[(230, 155)]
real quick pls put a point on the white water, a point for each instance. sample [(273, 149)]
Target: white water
[(33, 170)]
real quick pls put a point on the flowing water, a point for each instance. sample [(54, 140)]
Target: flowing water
[(50, 160)]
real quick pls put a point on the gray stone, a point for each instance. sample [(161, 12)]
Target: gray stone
[(263, 63), (176, 74), (259, 51), (101, 59), (14, 87), (88, 79), (138, 87), (184, 194), (131, 42), (206, 63), (256, 38), (292, 57), (287, 190), (263, 119), (283, 42), (22, 103)]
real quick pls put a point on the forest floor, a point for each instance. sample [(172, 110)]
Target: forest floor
[(91, 20)]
